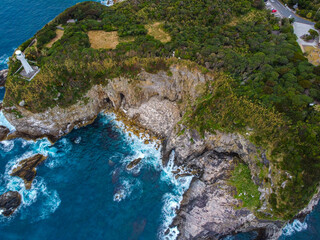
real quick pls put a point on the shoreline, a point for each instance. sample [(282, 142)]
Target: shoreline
[(156, 112)]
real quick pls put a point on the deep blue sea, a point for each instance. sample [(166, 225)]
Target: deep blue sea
[(83, 190)]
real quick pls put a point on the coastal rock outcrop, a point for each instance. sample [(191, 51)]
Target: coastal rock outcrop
[(209, 209), (120, 92), (3, 77), (4, 131), (157, 102), (9, 202), (27, 169), (134, 163)]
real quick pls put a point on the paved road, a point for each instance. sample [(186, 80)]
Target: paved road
[(287, 13)]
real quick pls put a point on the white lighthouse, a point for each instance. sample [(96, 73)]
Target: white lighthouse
[(23, 60)]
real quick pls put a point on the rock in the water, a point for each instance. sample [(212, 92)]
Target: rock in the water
[(3, 132), (27, 169), (9, 202), (111, 163), (134, 163), (3, 77)]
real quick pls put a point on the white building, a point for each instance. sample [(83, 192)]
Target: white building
[(23, 60)]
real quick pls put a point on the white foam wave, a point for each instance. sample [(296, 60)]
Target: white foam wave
[(77, 140), (4, 122), (294, 227), (172, 200), (149, 152), (45, 148), (42, 146), (181, 184), (4, 59), (152, 156), (115, 158), (24, 143), (30, 196), (50, 200), (6, 145), (126, 188), (13, 163), (51, 204)]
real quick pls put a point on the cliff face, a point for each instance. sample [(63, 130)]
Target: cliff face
[(3, 76), (56, 122), (157, 102)]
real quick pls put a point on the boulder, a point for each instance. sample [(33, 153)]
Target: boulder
[(3, 132), (9, 202), (3, 77), (134, 163), (22, 103), (27, 169), (111, 163)]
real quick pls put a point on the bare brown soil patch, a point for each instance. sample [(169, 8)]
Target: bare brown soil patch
[(313, 54), (102, 39), (157, 32), (59, 33)]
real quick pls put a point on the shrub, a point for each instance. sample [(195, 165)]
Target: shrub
[(317, 25), (313, 33)]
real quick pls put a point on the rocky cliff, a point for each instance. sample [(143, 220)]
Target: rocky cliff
[(157, 102), (3, 76)]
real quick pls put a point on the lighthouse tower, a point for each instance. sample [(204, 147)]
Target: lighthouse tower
[(23, 60)]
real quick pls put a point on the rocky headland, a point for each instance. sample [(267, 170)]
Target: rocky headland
[(157, 102)]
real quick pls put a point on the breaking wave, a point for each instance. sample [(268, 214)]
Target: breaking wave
[(294, 227), (151, 156), (172, 200), (3, 61), (4, 122)]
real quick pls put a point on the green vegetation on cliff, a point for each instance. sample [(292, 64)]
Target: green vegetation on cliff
[(247, 191), (263, 90)]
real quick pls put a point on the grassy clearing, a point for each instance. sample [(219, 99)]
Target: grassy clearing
[(102, 39), (126, 39), (313, 54), (156, 31), (253, 14), (59, 35), (247, 191)]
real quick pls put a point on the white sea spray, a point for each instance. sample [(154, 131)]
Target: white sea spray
[(171, 201), (49, 198), (7, 145), (77, 140), (295, 226), (4, 122), (4, 59)]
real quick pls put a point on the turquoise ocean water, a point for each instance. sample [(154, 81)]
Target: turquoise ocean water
[(83, 190)]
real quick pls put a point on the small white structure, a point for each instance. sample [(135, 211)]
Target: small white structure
[(23, 60)]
